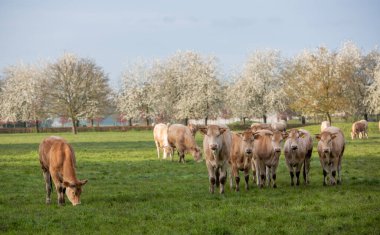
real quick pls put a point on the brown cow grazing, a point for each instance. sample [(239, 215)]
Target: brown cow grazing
[(325, 124), (260, 126), (217, 147), (160, 134), (331, 146), (241, 157), (181, 138), (359, 129), (266, 153), (57, 160), (298, 148)]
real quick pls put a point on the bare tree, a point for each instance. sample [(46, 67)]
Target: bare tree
[(75, 86)]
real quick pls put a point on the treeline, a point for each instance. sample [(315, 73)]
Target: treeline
[(189, 85)]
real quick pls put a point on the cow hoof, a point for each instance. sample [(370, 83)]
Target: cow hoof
[(324, 184), (291, 184), (339, 182), (275, 186)]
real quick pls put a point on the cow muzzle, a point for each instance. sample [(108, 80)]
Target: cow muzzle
[(277, 150), (326, 150), (248, 151), (294, 147), (213, 147)]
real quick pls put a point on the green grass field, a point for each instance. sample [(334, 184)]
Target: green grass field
[(131, 192)]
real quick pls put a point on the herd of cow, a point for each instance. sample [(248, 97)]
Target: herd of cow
[(256, 150)]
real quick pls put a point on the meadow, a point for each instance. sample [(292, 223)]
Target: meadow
[(130, 191)]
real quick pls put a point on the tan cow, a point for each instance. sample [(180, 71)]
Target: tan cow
[(331, 146), (266, 154), (279, 126), (260, 126), (379, 125), (241, 157), (325, 124), (271, 166), (57, 160), (298, 148), (217, 147), (160, 134), (359, 129), (181, 138)]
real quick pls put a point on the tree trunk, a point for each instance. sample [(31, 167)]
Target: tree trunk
[(303, 120), (37, 127), (74, 128), (130, 122), (366, 116), (186, 121), (265, 118), (147, 121), (92, 122), (244, 121), (329, 117), (206, 119)]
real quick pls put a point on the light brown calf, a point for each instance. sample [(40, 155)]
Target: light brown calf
[(241, 157), (331, 146), (298, 148), (160, 134), (57, 160), (181, 138), (217, 147), (359, 129)]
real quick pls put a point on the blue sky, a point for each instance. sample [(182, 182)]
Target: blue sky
[(116, 32)]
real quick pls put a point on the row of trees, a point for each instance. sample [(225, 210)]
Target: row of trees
[(189, 85)]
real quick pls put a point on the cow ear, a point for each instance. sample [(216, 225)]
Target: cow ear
[(222, 130), (203, 130), (285, 135), (318, 136), (82, 182), (333, 136), (301, 134), (68, 184)]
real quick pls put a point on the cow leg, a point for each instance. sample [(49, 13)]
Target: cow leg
[(217, 174), (268, 174), (324, 177), (253, 167), (298, 172), (235, 175), (158, 149), (291, 177), (59, 188), (246, 178), (222, 178), (211, 176), (48, 185), (181, 156)]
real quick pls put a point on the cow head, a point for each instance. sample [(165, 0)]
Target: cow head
[(293, 137), (197, 154), (247, 142), (277, 138), (214, 134), (325, 141), (74, 190)]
